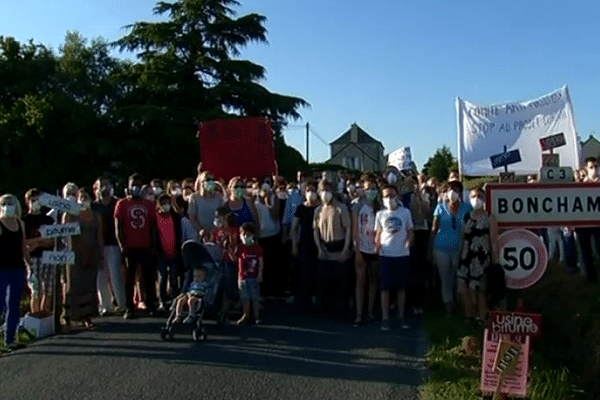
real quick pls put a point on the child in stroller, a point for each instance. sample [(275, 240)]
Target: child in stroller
[(197, 294)]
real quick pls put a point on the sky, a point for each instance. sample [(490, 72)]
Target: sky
[(395, 68)]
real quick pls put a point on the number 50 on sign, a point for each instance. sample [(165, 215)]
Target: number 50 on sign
[(523, 256)]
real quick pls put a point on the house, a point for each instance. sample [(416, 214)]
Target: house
[(590, 148), (357, 150)]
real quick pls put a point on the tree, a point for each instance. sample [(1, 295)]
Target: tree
[(190, 72), (440, 164)]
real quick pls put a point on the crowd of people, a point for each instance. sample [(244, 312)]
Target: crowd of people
[(356, 247)]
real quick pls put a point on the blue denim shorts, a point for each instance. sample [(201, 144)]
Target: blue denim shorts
[(249, 289)]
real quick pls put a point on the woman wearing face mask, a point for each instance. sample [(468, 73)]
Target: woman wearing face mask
[(332, 234), (12, 267), (81, 299), (204, 202), (364, 244), (238, 204), (176, 194), (479, 251), (268, 209), (446, 233), (304, 249), (110, 280)]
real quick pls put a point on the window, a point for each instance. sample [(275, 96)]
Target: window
[(353, 162)]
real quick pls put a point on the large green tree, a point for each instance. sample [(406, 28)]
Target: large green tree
[(440, 164), (190, 71)]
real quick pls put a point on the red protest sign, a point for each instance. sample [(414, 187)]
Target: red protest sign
[(515, 324)]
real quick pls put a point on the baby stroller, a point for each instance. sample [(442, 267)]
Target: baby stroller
[(194, 255)]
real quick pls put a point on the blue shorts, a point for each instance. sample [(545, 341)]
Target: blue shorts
[(249, 289), (393, 272)]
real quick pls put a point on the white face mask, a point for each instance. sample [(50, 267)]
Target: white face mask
[(282, 195), (392, 178), (453, 195), (176, 192), (477, 203), (166, 208), (157, 190), (326, 197), (291, 191), (390, 204), (311, 196), (8, 211)]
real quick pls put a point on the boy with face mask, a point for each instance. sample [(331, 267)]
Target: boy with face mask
[(394, 236), (250, 272), (135, 225), (39, 275)]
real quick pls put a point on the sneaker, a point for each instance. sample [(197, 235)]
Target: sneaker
[(129, 314), (258, 321), (385, 324), (242, 321), (403, 324), (357, 322)]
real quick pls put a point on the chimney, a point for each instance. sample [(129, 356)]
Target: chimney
[(354, 133)]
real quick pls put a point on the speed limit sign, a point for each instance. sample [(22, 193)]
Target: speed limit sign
[(523, 256)]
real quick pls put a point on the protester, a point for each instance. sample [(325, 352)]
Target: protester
[(110, 275), (304, 249), (244, 210), (250, 260), (227, 235), (586, 235), (81, 299), (446, 233), (268, 211), (168, 224), (366, 258), (332, 235), (12, 265), (135, 222), (204, 202), (174, 190), (39, 276), (479, 249), (393, 238)]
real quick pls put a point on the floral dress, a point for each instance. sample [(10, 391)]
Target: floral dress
[(476, 252)]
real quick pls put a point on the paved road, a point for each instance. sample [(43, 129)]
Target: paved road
[(292, 356)]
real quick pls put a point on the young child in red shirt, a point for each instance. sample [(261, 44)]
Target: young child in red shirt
[(250, 272)]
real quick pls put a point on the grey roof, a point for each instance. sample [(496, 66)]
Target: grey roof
[(363, 137), (590, 139)]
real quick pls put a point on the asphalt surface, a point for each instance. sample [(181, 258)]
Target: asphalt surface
[(292, 356)]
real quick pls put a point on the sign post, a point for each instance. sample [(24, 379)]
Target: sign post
[(504, 160)]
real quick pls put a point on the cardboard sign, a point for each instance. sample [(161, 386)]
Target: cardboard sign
[(59, 204), (506, 158), (514, 384), (58, 257), (550, 160), (539, 205), (523, 257), (53, 231), (515, 324), (553, 141), (507, 357), (557, 174)]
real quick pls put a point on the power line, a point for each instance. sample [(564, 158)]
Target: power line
[(319, 137)]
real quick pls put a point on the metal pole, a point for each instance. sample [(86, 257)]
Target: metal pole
[(307, 138)]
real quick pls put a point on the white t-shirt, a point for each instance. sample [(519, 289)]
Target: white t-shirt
[(394, 226), (269, 226), (366, 229)]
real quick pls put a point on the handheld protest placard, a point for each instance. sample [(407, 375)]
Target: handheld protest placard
[(54, 231), (59, 204)]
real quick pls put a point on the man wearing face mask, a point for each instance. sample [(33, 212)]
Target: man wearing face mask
[(135, 224), (333, 237), (157, 186), (110, 276), (39, 275), (586, 235)]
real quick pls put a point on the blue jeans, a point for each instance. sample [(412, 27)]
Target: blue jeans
[(168, 272), (13, 280)]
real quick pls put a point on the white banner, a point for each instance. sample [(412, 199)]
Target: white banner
[(401, 158), (484, 130)]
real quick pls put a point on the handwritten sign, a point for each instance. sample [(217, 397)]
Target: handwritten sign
[(553, 141), (59, 204), (58, 257), (513, 384), (53, 231)]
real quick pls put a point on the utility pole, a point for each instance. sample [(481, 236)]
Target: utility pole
[(307, 136)]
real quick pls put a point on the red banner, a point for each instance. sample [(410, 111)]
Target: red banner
[(241, 146)]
